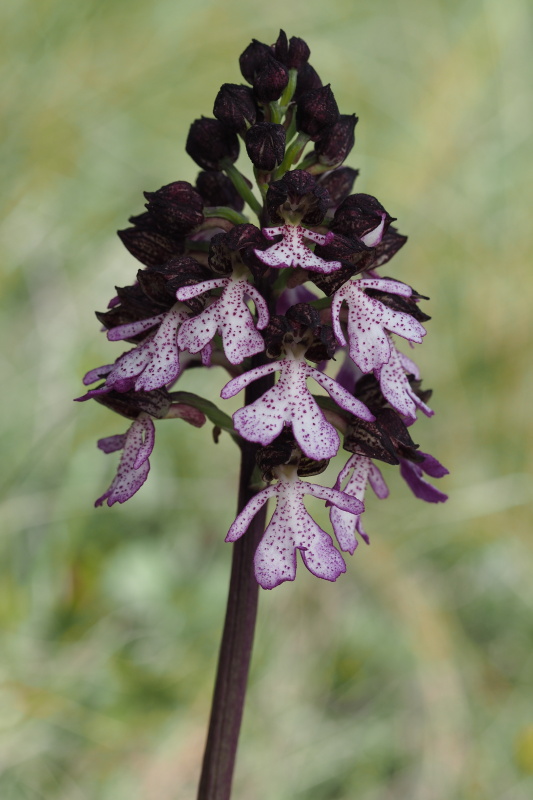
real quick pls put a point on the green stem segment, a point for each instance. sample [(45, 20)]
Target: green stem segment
[(226, 213), (239, 181), (292, 154)]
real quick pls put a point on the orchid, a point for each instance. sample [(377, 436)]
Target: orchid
[(360, 471), (396, 387), (292, 528), (229, 315), (291, 250), (215, 289), (289, 402), (369, 320), (136, 445)]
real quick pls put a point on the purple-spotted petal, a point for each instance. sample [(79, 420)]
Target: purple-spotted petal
[(164, 365), (342, 397), (369, 320), (240, 526), (345, 525), (131, 474), (289, 402), (134, 328), (397, 389), (291, 528), (229, 315), (235, 385), (292, 251), (97, 374)]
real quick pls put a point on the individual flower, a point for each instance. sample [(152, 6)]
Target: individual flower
[(289, 402), (153, 363), (136, 445), (227, 314), (291, 250), (360, 471), (292, 528), (396, 387), (297, 198), (369, 320)]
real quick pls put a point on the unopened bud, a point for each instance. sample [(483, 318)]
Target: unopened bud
[(363, 217), (339, 183), (265, 145), (335, 143), (147, 243), (316, 110), (176, 207), (297, 195), (210, 142), (216, 189), (294, 53), (308, 79), (253, 59), (270, 80)]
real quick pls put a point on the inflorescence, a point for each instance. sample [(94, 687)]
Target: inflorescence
[(215, 289)]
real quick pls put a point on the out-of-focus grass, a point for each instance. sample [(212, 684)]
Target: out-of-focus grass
[(409, 677)]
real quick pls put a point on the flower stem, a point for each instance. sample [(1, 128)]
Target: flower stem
[(238, 635), (239, 181)]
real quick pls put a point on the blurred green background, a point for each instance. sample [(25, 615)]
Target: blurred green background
[(411, 677)]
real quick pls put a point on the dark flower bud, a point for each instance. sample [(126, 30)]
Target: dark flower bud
[(304, 315), (353, 255), (161, 283), (297, 194), (339, 183), (131, 403), (227, 250), (265, 145), (322, 345), (335, 143), (299, 326), (216, 189), (386, 439), (210, 142), (316, 110), (235, 106), (293, 54), (253, 59), (308, 79), (363, 217), (284, 450), (176, 207), (270, 80), (133, 304), (147, 243), (368, 390)]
